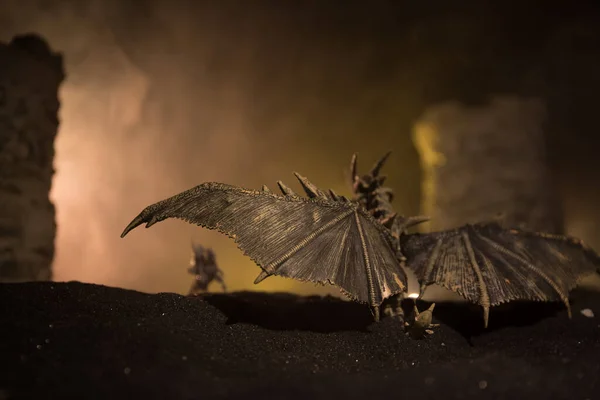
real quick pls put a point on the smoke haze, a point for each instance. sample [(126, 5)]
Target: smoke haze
[(162, 96), (154, 107)]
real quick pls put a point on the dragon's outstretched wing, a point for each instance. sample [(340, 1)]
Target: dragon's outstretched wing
[(489, 265), (323, 238)]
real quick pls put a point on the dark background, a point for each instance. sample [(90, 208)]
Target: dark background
[(163, 95)]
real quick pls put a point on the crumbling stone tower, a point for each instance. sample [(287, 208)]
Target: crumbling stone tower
[(482, 161), (30, 76)]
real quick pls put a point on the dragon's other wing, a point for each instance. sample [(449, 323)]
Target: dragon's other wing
[(320, 239), (489, 265)]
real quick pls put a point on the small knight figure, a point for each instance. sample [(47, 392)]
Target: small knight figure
[(204, 267)]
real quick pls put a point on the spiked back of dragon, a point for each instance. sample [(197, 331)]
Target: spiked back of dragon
[(369, 192)]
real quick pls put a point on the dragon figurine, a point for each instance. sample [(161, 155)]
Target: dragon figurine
[(362, 245)]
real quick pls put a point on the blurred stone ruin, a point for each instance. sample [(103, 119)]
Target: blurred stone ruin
[(485, 161), (30, 77)]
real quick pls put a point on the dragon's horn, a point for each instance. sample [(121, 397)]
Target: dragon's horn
[(379, 164)]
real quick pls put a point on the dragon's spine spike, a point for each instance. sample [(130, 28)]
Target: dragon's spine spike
[(286, 190), (310, 189), (385, 191), (388, 221), (333, 195), (266, 189), (353, 168), (261, 277), (367, 189), (379, 209), (379, 164)]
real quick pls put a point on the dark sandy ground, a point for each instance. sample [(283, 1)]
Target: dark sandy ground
[(73, 340)]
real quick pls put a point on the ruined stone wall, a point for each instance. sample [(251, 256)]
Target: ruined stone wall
[(479, 162), (30, 76)]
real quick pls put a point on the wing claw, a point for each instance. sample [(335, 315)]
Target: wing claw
[(261, 277), (137, 221)]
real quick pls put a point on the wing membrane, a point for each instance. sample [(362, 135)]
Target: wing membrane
[(314, 239), (489, 265)]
